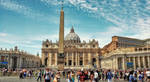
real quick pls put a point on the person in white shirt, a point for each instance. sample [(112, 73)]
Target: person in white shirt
[(148, 74), (47, 75), (96, 76)]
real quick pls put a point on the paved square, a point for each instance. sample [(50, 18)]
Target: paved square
[(16, 79)]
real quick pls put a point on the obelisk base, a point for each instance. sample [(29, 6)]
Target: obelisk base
[(61, 57)]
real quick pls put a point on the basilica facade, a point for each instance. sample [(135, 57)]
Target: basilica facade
[(78, 54)]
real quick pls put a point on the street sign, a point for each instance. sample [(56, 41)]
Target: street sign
[(129, 64), (3, 62)]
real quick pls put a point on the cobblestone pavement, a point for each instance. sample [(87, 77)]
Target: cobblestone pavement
[(16, 79)]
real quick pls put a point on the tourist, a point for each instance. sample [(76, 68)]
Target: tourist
[(103, 75), (100, 74), (29, 74), (21, 74), (52, 75), (57, 77), (86, 75), (47, 75), (121, 74), (141, 77), (109, 76), (96, 76), (92, 76), (63, 73), (125, 75), (82, 76), (135, 76), (132, 78), (39, 76), (78, 76), (115, 75), (73, 76), (69, 77), (148, 75), (25, 74)]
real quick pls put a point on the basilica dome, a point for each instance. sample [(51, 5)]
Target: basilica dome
[(72, 37)]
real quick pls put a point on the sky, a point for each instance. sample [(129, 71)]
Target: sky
[(26, 23)]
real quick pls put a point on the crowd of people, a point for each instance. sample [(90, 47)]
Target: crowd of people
[(83, 75)]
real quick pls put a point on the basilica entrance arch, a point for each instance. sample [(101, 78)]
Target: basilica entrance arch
[(46, 60), (93, 61), (14, 63), (70, 62)]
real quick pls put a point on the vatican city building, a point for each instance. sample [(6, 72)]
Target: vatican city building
[(70, 52), (18, 59), (77, 54), (126, 53)]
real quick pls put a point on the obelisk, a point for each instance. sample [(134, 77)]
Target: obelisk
[(61, 32), (61, 39)]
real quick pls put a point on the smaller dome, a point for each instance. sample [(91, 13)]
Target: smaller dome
[(72, 37)]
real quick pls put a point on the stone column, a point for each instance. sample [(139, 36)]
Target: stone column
[(18, 60), (43, 59), (11, 62), (97, 60), (144, 63), (116, 62), (67, 60), (134, 63), (76, 59), (72, 59), (50, 59), (56, 59), (89, 59), (124, 63), (83, 58), (148, 59), (129, 59), (139, 62), (8, 61)]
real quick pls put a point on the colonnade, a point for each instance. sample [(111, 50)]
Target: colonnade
[(74, 59), (138, 62)]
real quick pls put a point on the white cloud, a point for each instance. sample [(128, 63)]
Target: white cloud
[(14, 6), (52, 2), (88, 6), (142, 29), (3, 34)]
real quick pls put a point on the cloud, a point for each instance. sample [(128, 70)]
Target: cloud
[(21, 9), (127, 16), (103, 37), (15, 7), (142, 29), (3, 34), (52, 2)]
